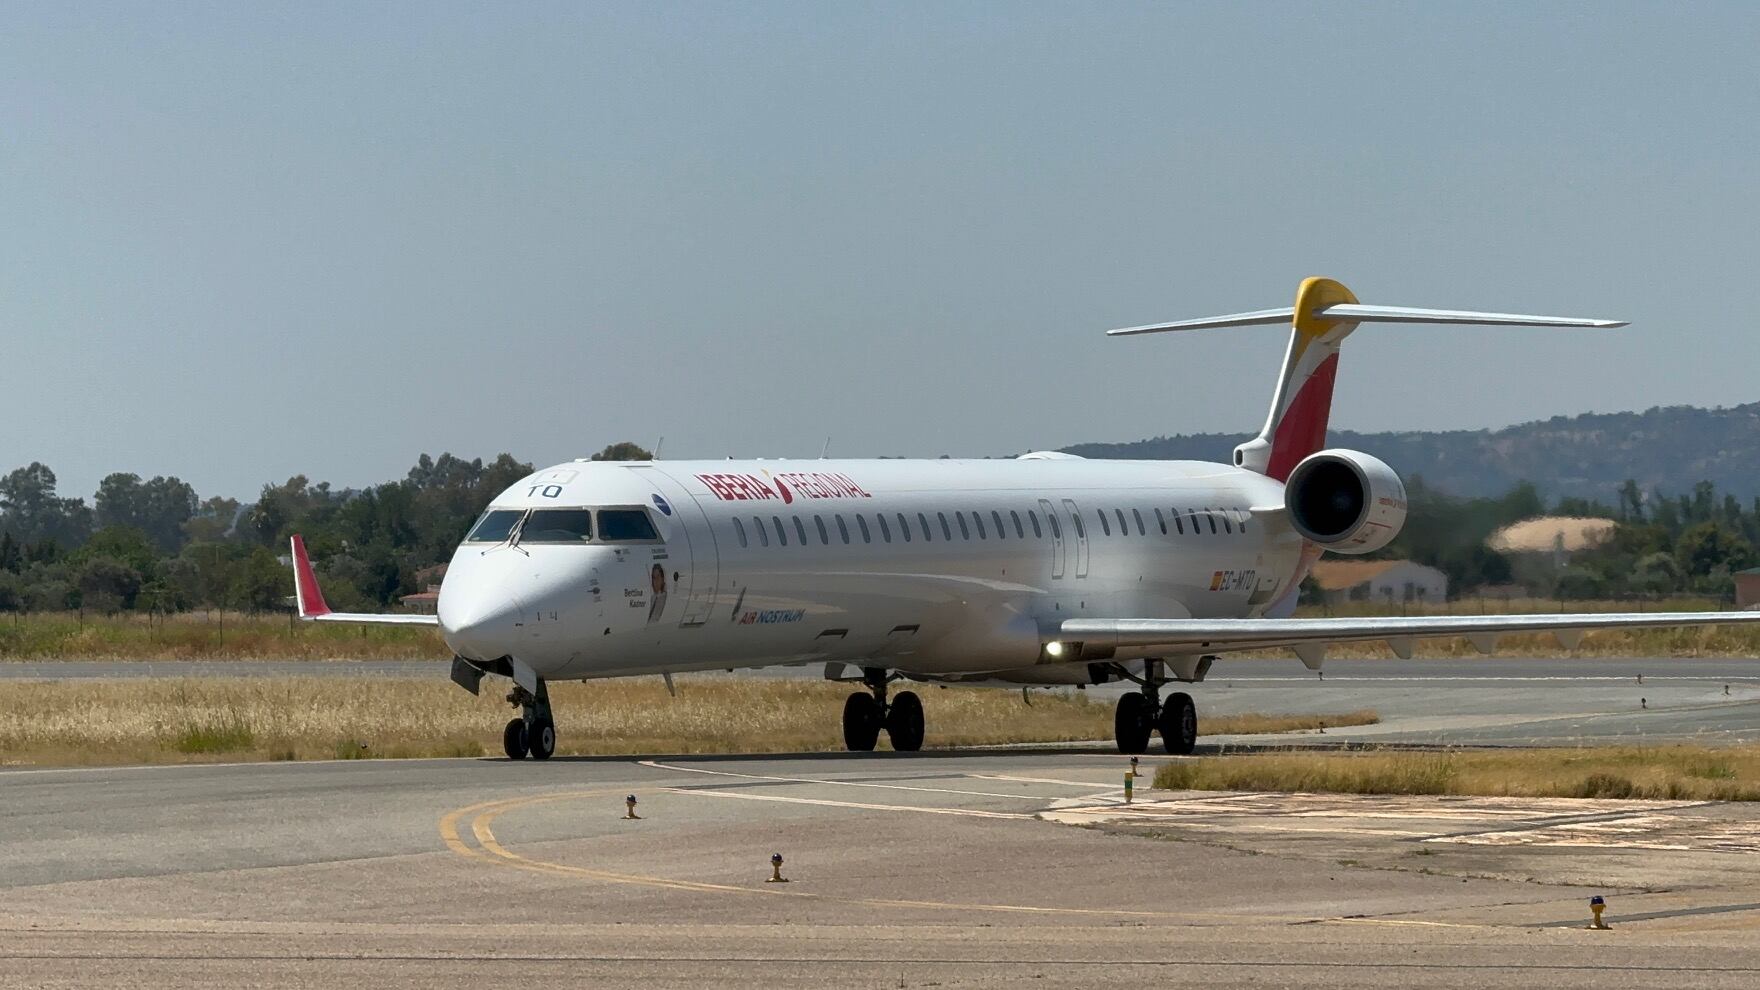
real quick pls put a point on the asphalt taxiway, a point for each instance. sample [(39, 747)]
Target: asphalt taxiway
[(991, 868)]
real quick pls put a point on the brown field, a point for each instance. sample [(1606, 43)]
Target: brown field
[(298, 718), (1660, 772)]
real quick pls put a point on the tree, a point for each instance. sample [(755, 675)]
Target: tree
[(261, 583), (11, 554), (124, 543), (158, 508), (107, 584), (1709, 547), (33, 512), (625, 451), (213, 520)]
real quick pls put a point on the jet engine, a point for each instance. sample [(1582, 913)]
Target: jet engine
[(1346, 501)]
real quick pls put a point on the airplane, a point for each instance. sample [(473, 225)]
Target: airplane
[(1045, 569)]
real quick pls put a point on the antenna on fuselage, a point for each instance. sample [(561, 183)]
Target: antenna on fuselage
[(657, 447), (825, 449)]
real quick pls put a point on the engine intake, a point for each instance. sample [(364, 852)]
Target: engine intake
[(1346, 501)]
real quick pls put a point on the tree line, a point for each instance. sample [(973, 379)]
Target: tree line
[(1661, 544), (156, 545)]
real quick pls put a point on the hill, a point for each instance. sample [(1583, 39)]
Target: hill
[(1665, 449)]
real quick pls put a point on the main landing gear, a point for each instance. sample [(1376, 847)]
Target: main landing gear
[(1141, 713), (534, 732), (866, 713)]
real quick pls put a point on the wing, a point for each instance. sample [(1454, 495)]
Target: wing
[(311, 599), (1309, 638)]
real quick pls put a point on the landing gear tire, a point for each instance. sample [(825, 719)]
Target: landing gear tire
[(1132, 723), (904, 722), (1178, 723), (861, 722), (513, 739), (541, 738)]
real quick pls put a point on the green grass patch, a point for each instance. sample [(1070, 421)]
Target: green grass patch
[(1619, 773)]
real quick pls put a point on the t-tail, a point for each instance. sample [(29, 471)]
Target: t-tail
[(1324, 314)]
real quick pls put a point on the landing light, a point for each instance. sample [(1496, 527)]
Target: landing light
[(1054, 649)]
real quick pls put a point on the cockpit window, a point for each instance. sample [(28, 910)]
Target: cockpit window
[(558, 526), (624, 526), (494, 526)]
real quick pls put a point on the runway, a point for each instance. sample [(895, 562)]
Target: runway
[(933, 869)]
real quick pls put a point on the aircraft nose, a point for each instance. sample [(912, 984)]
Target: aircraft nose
[(479, 626)]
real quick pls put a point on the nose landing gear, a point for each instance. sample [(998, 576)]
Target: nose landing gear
[(534, 732), (866, 713)]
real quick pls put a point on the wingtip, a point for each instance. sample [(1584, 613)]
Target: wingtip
[(305, 583)]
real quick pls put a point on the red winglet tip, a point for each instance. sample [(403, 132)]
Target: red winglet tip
[(305, 583)]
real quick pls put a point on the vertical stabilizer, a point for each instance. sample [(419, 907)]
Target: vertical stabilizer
[(1302, 403)]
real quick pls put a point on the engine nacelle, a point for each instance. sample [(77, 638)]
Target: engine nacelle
[(1346, 501)]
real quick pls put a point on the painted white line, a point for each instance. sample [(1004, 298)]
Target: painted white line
[(1037, 780), (856, 805), (838, 783)]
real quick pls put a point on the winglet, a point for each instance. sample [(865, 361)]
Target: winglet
[(305, 583)]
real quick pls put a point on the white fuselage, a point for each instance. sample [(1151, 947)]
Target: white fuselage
[(931, 567)]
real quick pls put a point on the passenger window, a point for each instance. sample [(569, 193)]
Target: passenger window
[(1051, 518), (824, 536), (1020, 532), (885, 530), (996, 517), (862, 524), (739, 529), (964, 532), (1212, 517), (494, 526), (763, 534), (904, 527), (1161, 520), (1192, 517), (561, 526), (800, 530), (978, 524), (1138, 516), (923, 521), (1227, 522), (1105, 527), (781, 534), (1123, 530), (1179, 525), (842, 529), (946, 530), (1076, 517)]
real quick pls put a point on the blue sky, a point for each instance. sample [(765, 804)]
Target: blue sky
[(247, 240)]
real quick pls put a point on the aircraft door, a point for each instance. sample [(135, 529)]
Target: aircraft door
[(691, 528), (1075, 520), (1056, 538)]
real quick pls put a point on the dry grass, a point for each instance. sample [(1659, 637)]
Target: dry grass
[(299, 718), (1664, 772), (209, 636)]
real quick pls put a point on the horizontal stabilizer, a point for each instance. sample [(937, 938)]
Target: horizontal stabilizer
[(1356, 313), (1403, 314)]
